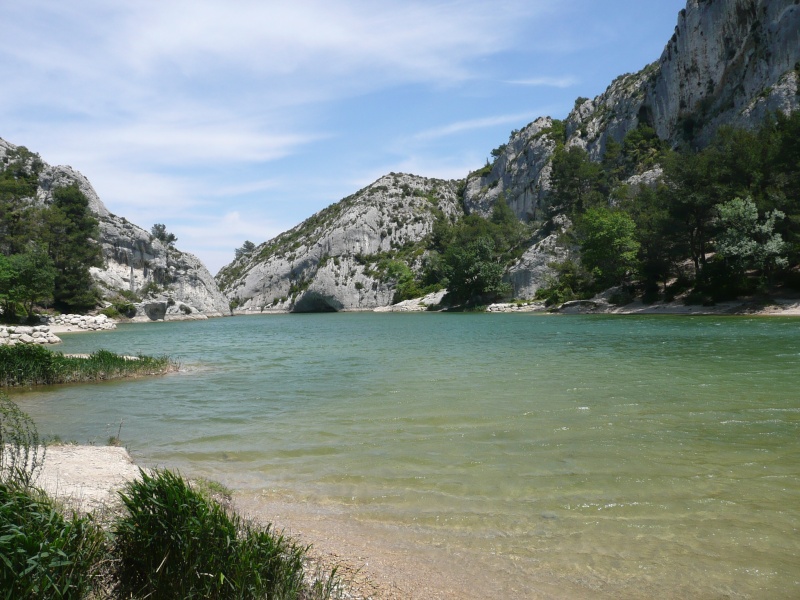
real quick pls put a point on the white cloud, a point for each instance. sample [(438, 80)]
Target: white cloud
[(556, 82), (216, 238), (471, 124)]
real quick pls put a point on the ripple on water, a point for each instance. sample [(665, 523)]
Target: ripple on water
[(596, 468)]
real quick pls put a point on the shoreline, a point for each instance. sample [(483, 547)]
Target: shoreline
[(87, 478), (778, 307)]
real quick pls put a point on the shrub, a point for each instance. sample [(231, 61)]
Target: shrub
[(44, 554), (174, 542), (30, 364), (111, 312), (20, 445)]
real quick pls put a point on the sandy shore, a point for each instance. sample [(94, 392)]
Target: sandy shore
[(86, 477), (373, 563)]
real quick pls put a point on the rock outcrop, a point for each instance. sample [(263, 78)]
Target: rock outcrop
[(81, 322), (729, 62), (135, 262), (21, 334), (333, 260)]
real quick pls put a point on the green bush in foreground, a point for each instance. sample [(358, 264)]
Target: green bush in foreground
[(173, 542), (42, 553), (31, 364)]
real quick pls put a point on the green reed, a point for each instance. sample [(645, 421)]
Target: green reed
[(175, 542), (44, 553), (28, 364)]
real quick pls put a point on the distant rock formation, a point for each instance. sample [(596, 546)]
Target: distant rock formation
[(135, 261), (330, 262)]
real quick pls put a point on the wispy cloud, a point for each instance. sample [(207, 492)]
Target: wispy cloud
[(175, 108), (472, 124), (556, 82)]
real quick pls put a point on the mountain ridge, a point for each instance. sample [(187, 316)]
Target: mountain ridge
[(727, 63)]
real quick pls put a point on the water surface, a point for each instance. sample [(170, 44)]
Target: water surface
[(611, 456)]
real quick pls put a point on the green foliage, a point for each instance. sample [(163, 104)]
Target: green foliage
[(469, 257), (26, 279), (747, 242), (32, 364), (246, 249), (571, 282), (42, 553), (71, 237), (21, 450), (681, 218), (498, 152), (608, 245), (474, 271), (174, 542), (159, 231), (151, 288), (576, 181)]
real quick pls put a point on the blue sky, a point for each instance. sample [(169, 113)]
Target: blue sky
[(236, 120)]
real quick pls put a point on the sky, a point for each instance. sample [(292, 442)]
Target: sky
[(235, 120)]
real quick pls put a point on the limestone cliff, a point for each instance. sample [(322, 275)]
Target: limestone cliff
[(134, 261), (332, 261), (729, 62)]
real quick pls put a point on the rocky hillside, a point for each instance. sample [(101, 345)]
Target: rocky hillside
[(337, 259), (729, 62), (167, 282)]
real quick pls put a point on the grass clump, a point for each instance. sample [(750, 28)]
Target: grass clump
[(29, 364), (173, 542), (21, 450), (170, 540), (44, 554)]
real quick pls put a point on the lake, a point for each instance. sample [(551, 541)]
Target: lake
[(603, 456)]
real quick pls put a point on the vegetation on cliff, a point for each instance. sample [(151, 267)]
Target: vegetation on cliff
[(45, 250), (722, 221)]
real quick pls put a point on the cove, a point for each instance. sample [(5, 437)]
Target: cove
[(601, 456)]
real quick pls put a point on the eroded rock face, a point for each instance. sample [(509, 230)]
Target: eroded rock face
[(729, 62), (328, 262), (132, 257)]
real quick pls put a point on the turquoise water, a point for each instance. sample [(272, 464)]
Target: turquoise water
[(610, 456)]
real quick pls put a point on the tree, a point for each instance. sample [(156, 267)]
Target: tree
[(474, 272), (71, 237), (26, 279), (747, 242), (576, 180), (245, 249), (608, 245), (159, 231)]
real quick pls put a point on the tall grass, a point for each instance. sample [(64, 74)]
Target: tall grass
[(21, 450), (44, 554), (29, 364), (175, 543), (168, 541)]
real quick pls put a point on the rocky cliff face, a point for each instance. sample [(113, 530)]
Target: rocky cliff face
[(135, 261), (332, 261), (729, 62)]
